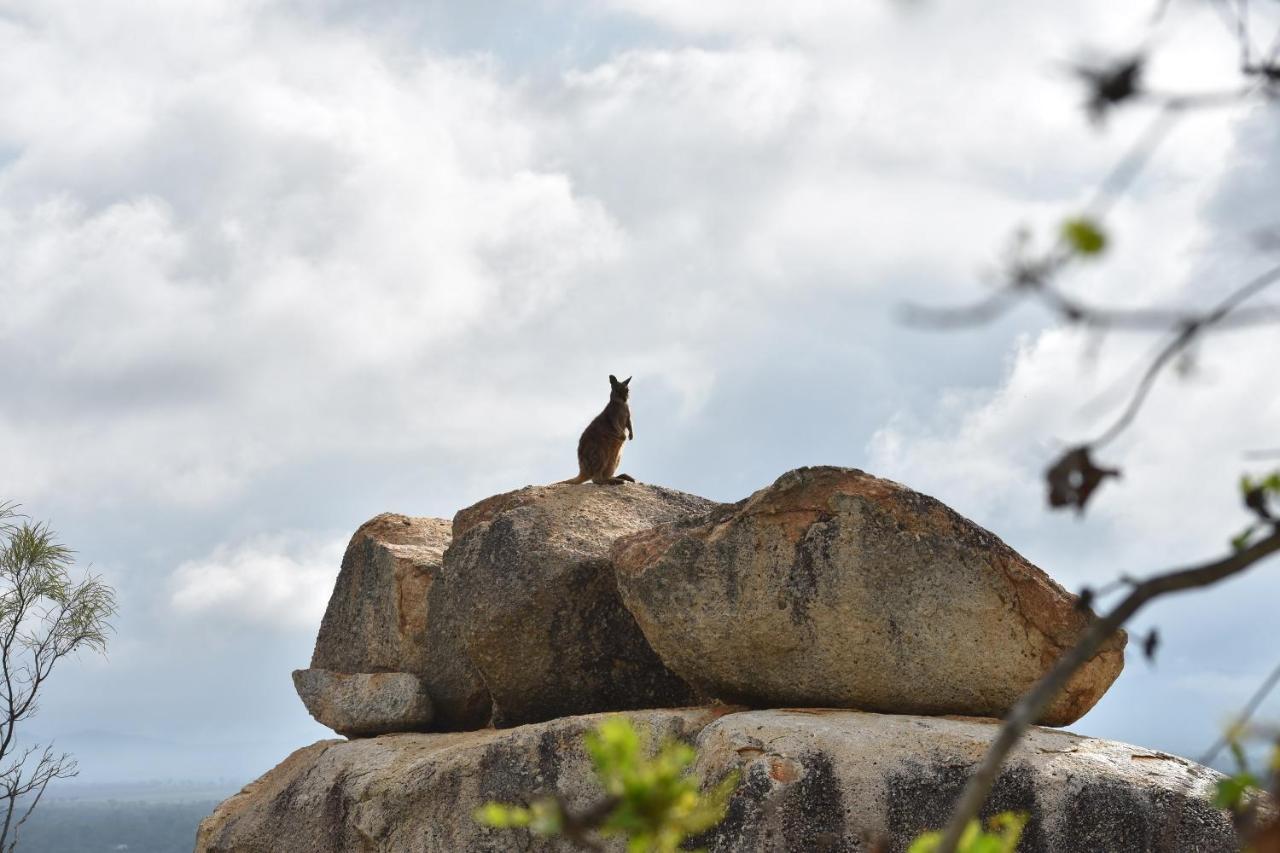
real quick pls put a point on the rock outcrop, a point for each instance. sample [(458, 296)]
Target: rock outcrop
[(381, 619), (834, 588), (828, 591), (837, 781), (530, 591)]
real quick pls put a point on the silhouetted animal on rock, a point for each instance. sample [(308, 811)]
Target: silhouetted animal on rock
[(600, 448)]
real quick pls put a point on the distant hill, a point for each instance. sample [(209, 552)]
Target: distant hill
[(114, 826)]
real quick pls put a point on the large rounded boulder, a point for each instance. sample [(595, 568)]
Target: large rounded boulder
[(835, 588), (530, 591)]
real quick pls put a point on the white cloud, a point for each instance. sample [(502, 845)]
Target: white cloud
[(276, 239), (986, 449), (278, 582), (286, 268), (220, 257)]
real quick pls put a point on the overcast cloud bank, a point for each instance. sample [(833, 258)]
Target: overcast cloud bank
[(272, 269)]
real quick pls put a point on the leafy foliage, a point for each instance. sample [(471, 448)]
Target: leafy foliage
[(654, 802), (45, 615), (1258, 495), (1233, 791), (1001, 836)]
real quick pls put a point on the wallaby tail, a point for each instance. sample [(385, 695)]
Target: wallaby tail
[(573, 481)]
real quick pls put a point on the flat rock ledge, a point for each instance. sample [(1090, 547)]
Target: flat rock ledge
[(812, 780), (364, 704)]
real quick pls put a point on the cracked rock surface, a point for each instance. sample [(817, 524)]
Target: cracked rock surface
[(835, 588)]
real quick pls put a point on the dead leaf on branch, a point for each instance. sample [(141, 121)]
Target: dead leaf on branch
[(1111, 85), (1074, 477)]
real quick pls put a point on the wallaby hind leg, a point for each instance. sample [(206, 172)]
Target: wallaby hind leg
[(613, 481)]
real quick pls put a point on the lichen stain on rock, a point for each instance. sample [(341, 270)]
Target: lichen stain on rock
[(743, 824), (920, 798), (1110, 816), (505, 774), (812, 812), (812, 556), (336, 807)]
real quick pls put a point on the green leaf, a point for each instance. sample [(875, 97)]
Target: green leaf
[(1231, 792), (658, 802), (1002, 835), (926, 843), (502, 816), (1241, 540), (1084, 236)]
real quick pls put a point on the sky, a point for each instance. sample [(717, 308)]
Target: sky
[(271, 267)]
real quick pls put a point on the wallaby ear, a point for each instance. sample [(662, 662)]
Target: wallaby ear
[(613, 380), (627, 381)]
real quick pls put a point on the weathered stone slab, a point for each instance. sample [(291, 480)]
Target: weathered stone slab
[(364, 704)]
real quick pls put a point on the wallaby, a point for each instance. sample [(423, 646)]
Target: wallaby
[(600, 448)]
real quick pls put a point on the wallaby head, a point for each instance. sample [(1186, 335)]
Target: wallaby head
[(619, 390)]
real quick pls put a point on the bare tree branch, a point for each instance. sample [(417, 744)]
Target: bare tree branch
[(1184, 337), (44, 616), (1033, 703)]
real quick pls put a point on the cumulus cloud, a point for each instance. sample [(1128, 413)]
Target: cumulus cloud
[(278, 238), (297, 263), (279, 582), (276, 218)]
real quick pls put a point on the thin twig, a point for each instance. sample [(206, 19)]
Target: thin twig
[(1185, 336), (1131, 164), (1033, 702), (1264, 689)]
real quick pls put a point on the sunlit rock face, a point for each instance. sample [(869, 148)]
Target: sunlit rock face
[(835, 588)]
